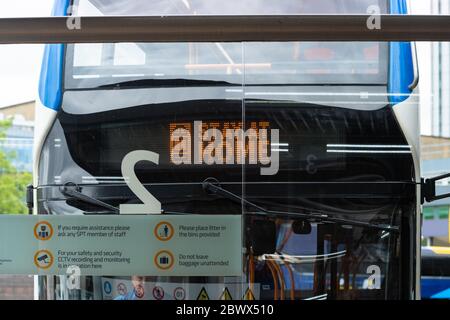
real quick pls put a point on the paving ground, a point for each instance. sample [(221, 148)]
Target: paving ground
[(16, 287)]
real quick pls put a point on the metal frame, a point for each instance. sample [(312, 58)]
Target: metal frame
[(224, 29)]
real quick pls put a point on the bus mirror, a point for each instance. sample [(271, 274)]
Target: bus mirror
[(301, 227), (29, 198), (429, 189), (261, 236)]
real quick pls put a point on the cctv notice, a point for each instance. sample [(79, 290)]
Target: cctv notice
[(160, 245)]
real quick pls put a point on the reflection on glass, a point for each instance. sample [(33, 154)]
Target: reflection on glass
[(335, 220)]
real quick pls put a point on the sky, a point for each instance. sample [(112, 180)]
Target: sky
[(20, 64)]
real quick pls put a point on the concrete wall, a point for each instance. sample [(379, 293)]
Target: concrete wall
[(26, 110)]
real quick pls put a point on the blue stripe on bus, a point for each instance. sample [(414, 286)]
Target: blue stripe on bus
[(442, 295), (401, 69), (51, 77), (435, 288)]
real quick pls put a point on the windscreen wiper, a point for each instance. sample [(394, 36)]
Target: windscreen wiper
[(155, 83), (71, 189), (211, 187)]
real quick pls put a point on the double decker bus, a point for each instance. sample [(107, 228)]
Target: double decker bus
[(323, 168)]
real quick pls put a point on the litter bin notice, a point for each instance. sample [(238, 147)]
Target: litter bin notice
[(194, 245)]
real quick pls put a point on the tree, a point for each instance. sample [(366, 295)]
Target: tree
[(13, 184)]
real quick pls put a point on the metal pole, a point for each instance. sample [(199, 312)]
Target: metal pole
[(224, 29)]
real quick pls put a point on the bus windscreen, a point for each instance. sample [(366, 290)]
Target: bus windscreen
[(282, 63)]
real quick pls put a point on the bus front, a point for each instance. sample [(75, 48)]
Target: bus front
[(308, 143)]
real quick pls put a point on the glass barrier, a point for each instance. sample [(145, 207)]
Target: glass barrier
[(223, 171)]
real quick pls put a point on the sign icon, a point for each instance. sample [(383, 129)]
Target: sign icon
[(158, 293), (163, 231), (226, 295), (164, 260), (248, 295), (43, 230), (139, 291), (203, 295), (107, 287), (122, 289), (179, 293), (43, 259)]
